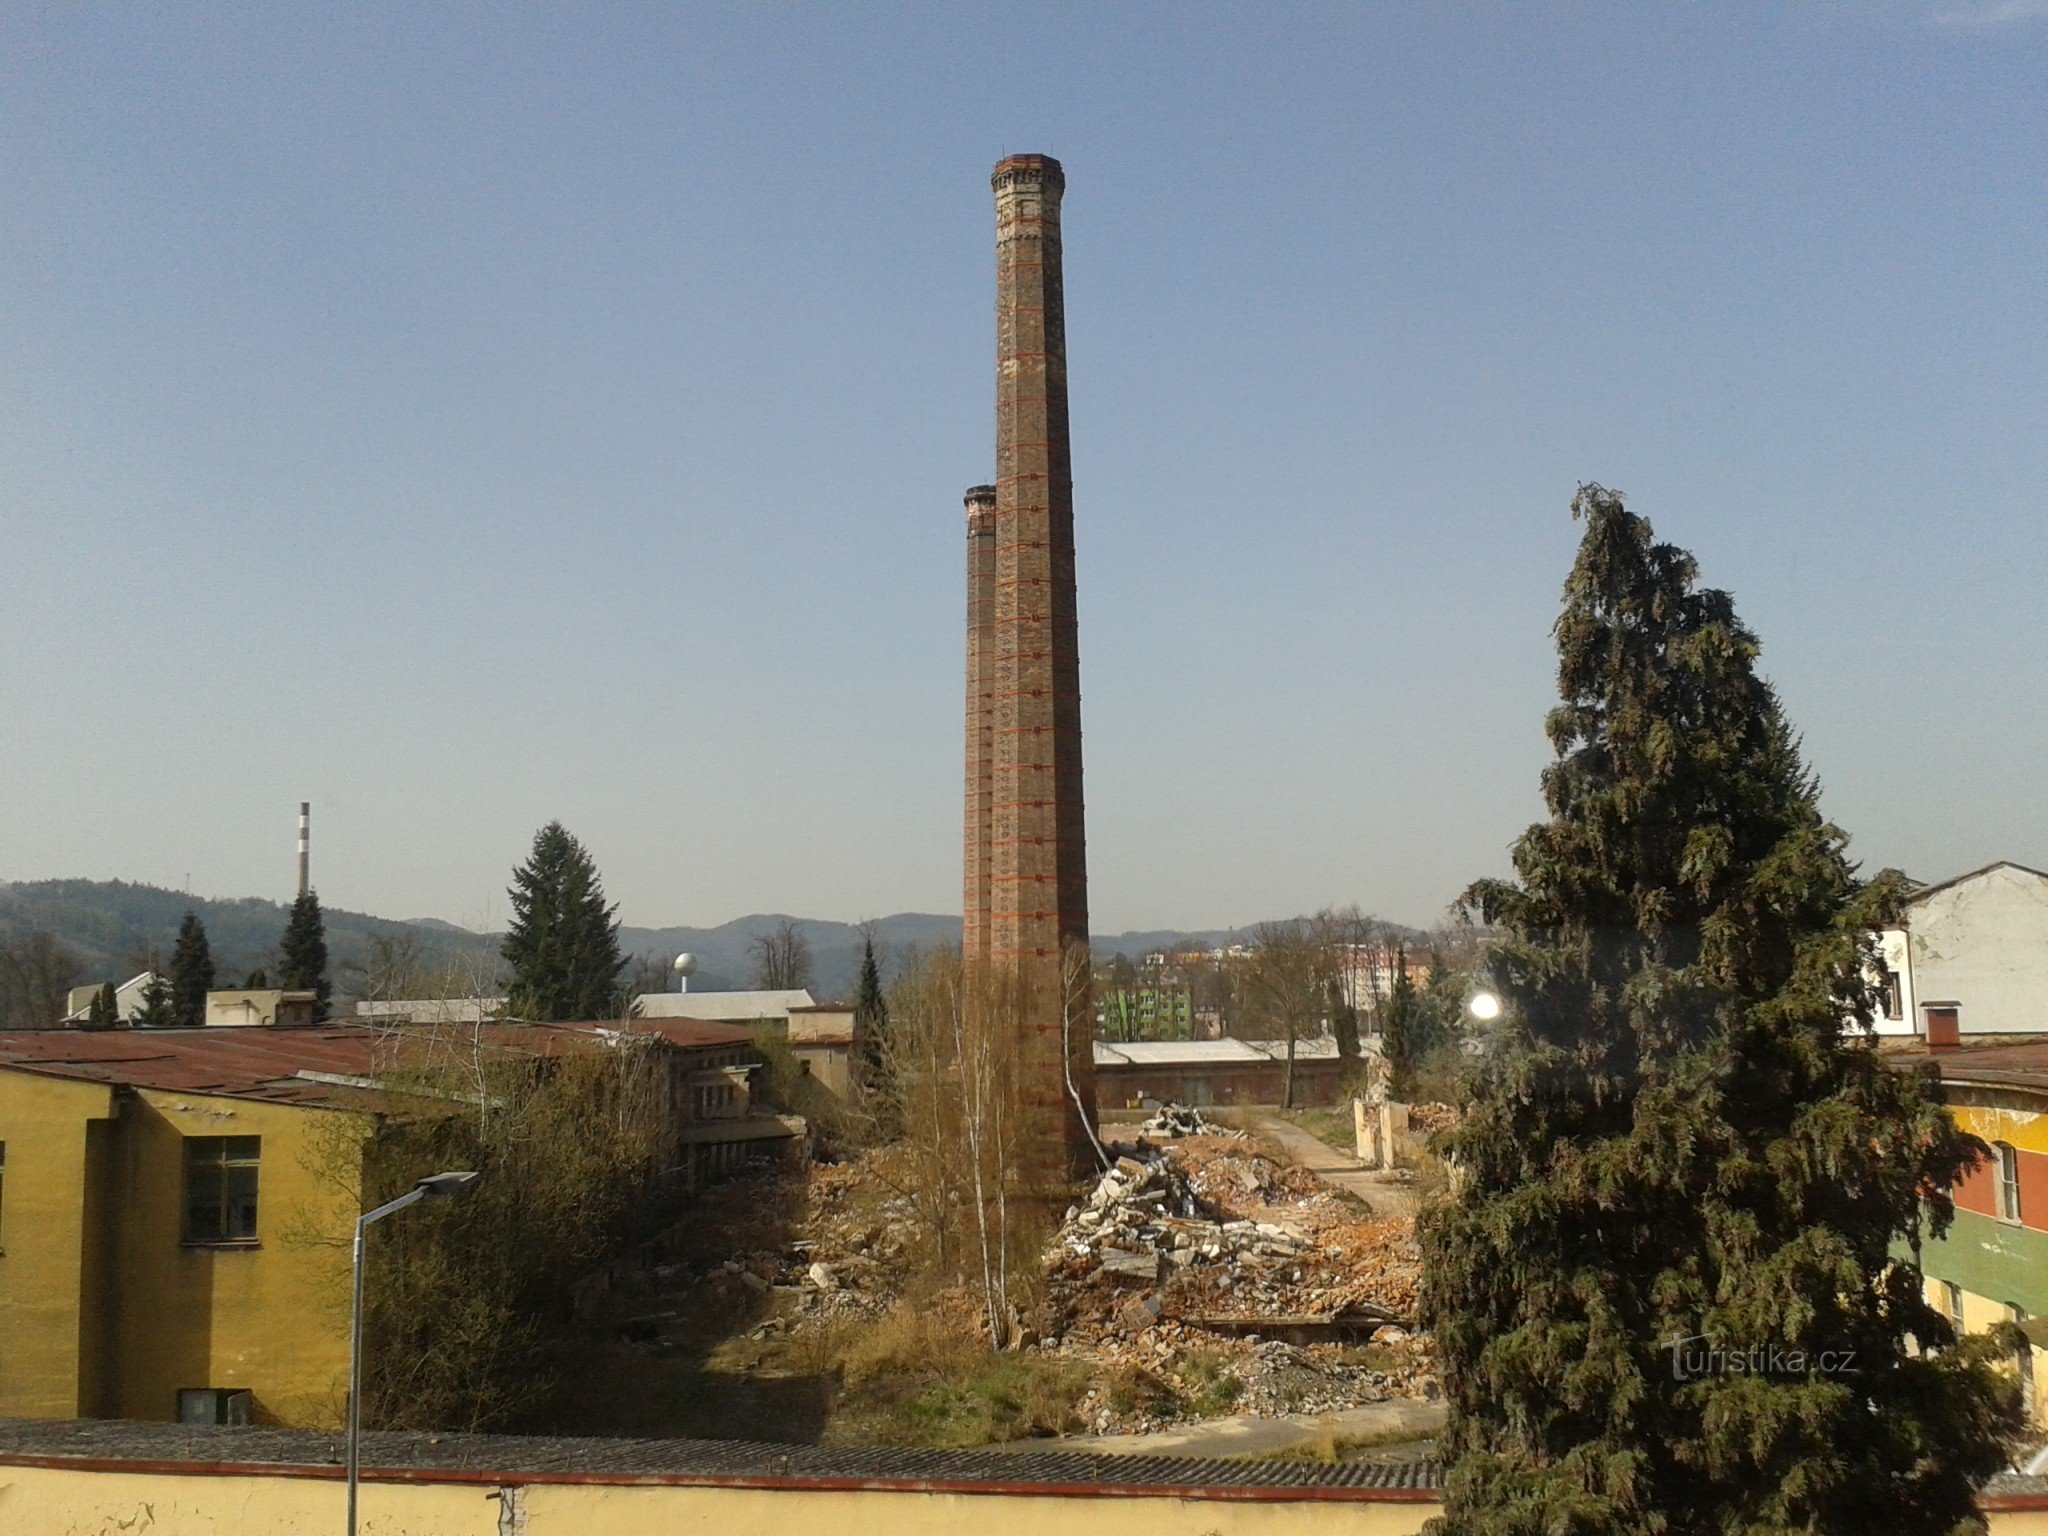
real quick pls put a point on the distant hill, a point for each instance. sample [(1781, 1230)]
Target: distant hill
[(116, 928)]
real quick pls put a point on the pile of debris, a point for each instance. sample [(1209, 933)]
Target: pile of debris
[(1223, 1240), (1144, 1219), (1177, 1120)]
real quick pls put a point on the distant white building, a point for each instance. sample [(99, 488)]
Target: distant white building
[(1970, 958), (723, 1006), (127, 998), (431, 1010)]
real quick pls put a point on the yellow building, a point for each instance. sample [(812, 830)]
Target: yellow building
[(1992, 1266), (174, 1213), (176, 1205)]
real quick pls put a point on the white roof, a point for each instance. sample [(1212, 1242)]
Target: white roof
[(433, 1010), (1207, 1053), (722, 1005)]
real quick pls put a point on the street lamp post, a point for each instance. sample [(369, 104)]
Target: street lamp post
[(435, 1187)]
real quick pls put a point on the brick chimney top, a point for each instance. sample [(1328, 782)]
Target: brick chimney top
[(981, 496), (1040, 168)]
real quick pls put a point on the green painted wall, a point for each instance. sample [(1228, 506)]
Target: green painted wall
[(1994, 1259)]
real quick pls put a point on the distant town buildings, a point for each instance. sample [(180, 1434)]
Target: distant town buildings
[(1969, 960), (1203, 1072)]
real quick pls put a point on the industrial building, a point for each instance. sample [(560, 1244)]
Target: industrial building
[(173, 1224)]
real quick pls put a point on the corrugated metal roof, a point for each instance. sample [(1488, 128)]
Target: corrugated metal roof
[(536, 1457), (267, 1061)]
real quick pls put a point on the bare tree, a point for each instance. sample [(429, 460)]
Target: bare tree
[(1287, 987), (782, 958), (952, 1067), (37, 971)]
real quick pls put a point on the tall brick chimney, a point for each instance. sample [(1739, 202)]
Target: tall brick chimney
[(981, 616), (1038, 878), (1037, 859)]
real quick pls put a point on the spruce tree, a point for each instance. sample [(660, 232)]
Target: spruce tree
[(153, 1008), (871, 1021), (1665, 1296), (1398, 1028), (104, 1012), (191, 973), (563, 941), (302, 953)]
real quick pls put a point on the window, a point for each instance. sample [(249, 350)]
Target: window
[(1894, 996), (1952, 1305), (214, 1405), (220, 1189), (2023, 1358), (2008, 1201)]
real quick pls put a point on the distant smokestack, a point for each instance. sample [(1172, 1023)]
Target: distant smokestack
[(305, 846)]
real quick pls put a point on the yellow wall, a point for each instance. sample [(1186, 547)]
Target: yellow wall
[(46, 1244), (105, 1311), (46, 1499), (1981, 1313), (2019, 1128), (53, 1499), (272, 1317)]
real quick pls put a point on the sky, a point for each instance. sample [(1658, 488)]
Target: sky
[(461, 417)]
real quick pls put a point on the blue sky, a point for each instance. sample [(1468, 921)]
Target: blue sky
[(465, 416)]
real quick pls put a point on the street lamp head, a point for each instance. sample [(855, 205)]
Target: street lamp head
[(443, 1185), (1483, 1006)]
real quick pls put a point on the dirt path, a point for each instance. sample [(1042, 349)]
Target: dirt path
[(1386, 1194)]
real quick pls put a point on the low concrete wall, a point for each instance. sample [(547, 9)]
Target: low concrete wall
[(254, 1503), (102, 1478)]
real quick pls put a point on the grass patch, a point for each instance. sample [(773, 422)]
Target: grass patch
[(1328, 1445), (1331, 1126), (1207, 1387)]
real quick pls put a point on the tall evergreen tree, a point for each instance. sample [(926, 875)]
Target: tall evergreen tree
[(563, 941), (1398, 1028), (302, 953), (871, 1021), (153, 1008), (1665, 1297), (191, 973), (104, 1012)]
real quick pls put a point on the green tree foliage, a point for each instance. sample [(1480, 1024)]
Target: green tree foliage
[(153, 1008), (302, 953), (460, 1293), (191, 973), (1673, 1140), (871, 1022), (563, 941), (104, 1012)]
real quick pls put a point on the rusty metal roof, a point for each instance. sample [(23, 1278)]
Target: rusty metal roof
[(332, 1065), (2013, 1064)]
